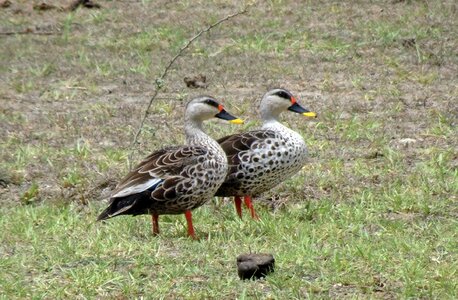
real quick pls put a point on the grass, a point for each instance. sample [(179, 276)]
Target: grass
[(399, 242), (372, 215)]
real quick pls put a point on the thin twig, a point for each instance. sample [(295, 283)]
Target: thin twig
[(160, 79), (76, 88), (29, 32)]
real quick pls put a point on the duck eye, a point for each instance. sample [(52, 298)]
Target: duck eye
[(283, 94), (212, 102)]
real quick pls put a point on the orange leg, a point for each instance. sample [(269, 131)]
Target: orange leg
[(250, 206), (238, 205), (155, 220), (190, 227)]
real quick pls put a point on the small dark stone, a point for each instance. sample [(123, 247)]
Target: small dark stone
[(196, 82), (43, 6), (255, 265), (5, 4), (85, 3), (409, 43)]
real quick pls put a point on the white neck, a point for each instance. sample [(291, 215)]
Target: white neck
[(268, 115), (274, 124), (195, 136)]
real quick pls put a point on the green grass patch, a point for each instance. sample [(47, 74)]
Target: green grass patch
[(349, 244)]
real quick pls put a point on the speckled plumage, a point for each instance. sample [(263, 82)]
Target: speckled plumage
[(261, 159), (176, 179), (188, 177)]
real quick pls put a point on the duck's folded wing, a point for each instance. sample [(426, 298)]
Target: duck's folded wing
[(161, 167), (236, 143)]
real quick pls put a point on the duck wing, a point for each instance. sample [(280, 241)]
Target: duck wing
[(164, 166), (234, 144), (161, 176)]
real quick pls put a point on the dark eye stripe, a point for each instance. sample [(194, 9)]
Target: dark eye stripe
[(211, 102), (283, 94)]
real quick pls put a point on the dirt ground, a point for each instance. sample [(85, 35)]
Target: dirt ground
[(84, 78)]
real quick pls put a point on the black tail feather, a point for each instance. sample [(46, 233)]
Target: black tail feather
[(136, 204), (106, 214)]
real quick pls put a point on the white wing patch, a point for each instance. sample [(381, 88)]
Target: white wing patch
[(137, 188)]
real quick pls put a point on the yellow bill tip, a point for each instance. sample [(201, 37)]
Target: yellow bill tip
[(310, 114), (236, 121)]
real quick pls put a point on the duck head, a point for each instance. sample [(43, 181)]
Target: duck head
[(206, 107), (276, 101)]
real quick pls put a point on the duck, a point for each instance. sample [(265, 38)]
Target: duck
[(176, 179), (261, 159)]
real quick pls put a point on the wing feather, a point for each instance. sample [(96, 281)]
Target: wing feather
[(234, 144), (161, 168)]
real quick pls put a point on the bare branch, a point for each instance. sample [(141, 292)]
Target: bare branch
[(29, 31), (160, 79)]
